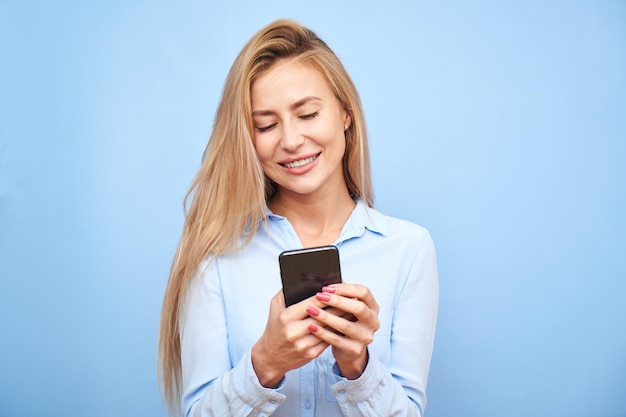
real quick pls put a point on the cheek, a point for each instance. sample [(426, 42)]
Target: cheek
[(262, 149), (330, 135), (265, 154)]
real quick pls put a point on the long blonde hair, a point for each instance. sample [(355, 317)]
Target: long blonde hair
[(229, 194)]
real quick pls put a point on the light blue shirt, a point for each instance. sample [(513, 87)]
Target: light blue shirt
[(228, 304)]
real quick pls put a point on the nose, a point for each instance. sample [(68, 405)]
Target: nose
[(291, 138)]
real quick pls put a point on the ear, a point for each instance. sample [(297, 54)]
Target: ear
[(347, 121)]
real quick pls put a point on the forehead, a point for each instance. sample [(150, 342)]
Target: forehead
[(287, 81)]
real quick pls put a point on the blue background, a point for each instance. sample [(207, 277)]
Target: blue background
[(499, 126)]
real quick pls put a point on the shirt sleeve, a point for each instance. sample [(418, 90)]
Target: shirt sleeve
[(212, 386), (399, 389)]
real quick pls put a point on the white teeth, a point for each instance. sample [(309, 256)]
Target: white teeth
[(300, 162)]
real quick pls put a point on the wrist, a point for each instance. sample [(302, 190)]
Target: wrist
[(267, 375), (353, 369)]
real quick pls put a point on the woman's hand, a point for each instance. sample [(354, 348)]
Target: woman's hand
[(286, 342), (348, 333)]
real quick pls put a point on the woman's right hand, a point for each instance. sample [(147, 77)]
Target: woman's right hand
[(286, 342)]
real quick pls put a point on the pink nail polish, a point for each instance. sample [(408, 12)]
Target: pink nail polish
[(322, 296), (329, 289), (313, 311), (312, 327)]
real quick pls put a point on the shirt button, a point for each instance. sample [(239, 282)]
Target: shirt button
[(307, 404), (272, 401)]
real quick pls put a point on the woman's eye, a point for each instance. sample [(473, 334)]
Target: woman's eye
[(262, 129), (309, 116)]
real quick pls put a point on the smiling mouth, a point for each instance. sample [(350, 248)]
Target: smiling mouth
[(300, 162)]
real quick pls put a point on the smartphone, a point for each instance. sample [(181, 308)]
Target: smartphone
[(305, 271)]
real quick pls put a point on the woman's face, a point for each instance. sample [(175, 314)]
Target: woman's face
[(299, 129)]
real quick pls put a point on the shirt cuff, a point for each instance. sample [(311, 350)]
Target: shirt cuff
[(361, 389), (246, 386)]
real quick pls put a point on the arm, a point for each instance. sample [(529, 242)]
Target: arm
[(212, 384), (397, 389)]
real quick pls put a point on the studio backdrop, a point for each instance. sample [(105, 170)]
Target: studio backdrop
[(498, 126)]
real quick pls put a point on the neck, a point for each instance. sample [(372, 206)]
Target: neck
[(317, 219)]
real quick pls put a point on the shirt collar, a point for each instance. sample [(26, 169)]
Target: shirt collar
[(361, 218)]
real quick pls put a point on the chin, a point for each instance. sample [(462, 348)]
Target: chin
[(301, 189)]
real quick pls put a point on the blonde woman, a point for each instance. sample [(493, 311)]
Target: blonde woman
[(287, 166)]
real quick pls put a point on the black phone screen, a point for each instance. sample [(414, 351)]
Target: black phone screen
[(305, 271)]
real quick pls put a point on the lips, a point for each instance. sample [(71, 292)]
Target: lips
[(300, 162)]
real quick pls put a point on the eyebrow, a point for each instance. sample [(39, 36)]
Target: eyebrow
[(294, 106)]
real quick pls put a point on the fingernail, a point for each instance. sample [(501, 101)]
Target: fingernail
[(313, 311), (312, 327), (322, 297), (329, 289)]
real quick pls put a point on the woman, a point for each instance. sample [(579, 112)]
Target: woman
[(287, 166)]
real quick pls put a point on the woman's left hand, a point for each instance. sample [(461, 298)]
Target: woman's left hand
[(350, 329)]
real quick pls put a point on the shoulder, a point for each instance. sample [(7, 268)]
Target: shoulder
[(397, 228)]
